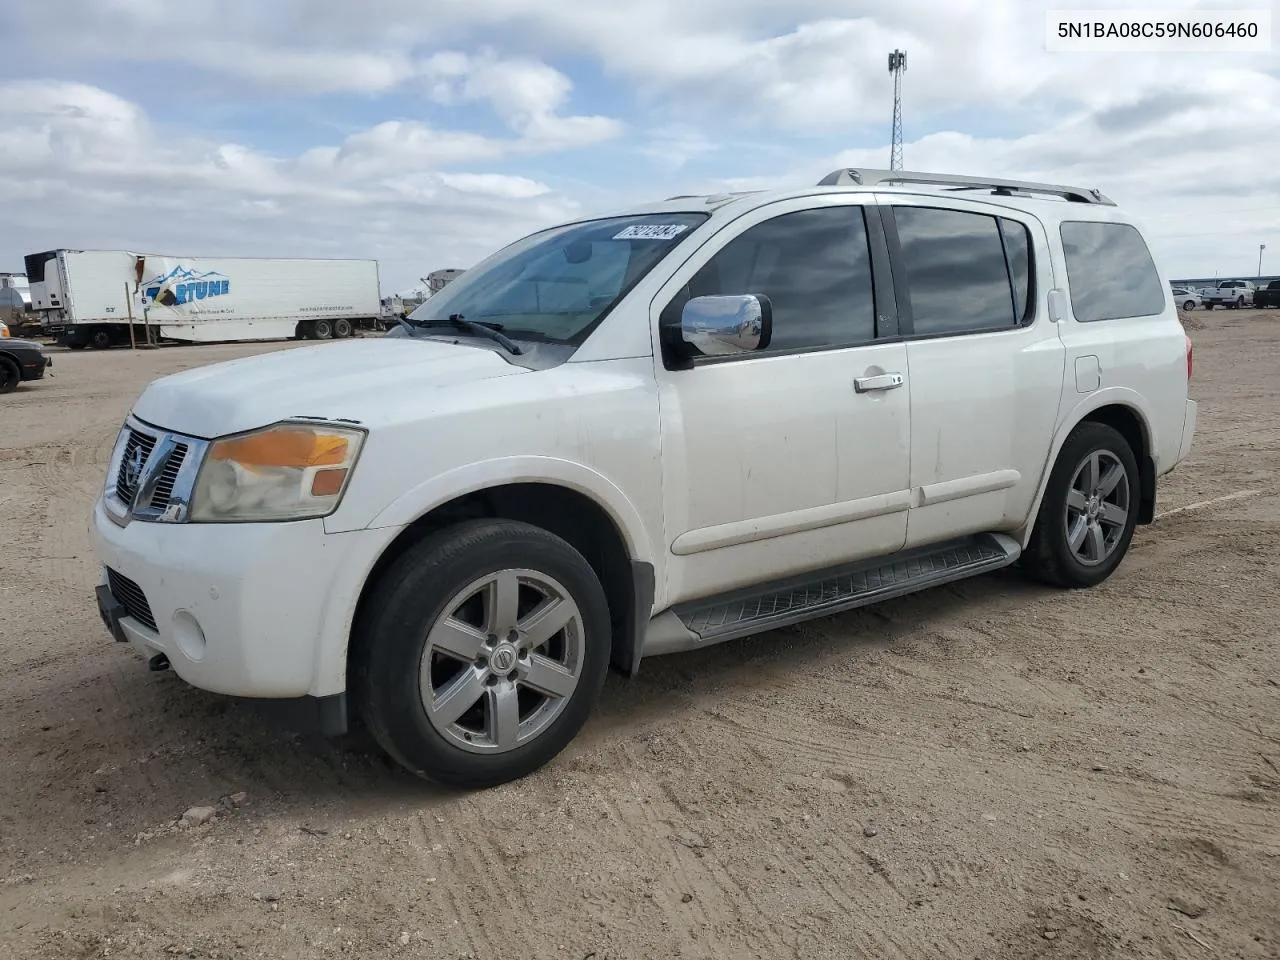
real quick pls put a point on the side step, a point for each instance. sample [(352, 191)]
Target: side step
[(825, 592)]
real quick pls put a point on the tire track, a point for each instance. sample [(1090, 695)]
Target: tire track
[(455, 886)]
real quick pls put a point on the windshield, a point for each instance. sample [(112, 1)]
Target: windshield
[(555, 286)]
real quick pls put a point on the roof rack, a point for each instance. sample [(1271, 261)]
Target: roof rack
[(712, 198), (849, 176)]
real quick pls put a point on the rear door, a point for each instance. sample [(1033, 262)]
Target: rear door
[(985, 361)]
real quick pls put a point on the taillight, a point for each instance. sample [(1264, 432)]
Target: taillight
[(1190, 355)]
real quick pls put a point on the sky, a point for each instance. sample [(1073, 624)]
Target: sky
[(427, 133)]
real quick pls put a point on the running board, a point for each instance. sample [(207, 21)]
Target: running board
[(825, 592)]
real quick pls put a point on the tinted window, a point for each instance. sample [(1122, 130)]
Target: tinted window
[(813, 265), (957, 275), (1017, 251), (1110, 272)]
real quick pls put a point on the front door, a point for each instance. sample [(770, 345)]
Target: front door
[(795, 457)]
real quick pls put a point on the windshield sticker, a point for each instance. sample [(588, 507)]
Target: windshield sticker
[(651, 231)]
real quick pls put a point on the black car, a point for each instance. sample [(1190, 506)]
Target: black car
[(21, 360)]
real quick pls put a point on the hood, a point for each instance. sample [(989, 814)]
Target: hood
[(352, 380), (19, 344)]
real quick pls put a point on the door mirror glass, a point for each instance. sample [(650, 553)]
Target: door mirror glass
[(724, 325)]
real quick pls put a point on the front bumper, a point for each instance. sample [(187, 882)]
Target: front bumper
[(256, 610), (35, 369)]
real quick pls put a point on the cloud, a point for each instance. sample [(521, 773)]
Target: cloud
[(81, 167), (527, 95), (467, 116)]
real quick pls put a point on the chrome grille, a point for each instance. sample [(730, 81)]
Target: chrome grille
[(137, 450), (168, 477), (130, 596)]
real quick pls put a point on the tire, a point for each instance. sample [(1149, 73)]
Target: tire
[(1189, 306), (342, 329), (10, 375), (401, 621), (321, 330), (100, 339), (1049, 555)]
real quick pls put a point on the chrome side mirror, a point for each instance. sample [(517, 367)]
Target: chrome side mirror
[(720, 326)]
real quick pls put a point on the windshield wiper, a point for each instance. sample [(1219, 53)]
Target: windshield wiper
[(490, 331)]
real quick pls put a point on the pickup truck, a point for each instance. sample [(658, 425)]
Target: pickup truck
[(1232, 294), (1268, 296)]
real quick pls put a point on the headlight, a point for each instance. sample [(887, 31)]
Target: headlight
[(291, 471)]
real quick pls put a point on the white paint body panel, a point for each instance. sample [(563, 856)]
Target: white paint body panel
[(721, 476)]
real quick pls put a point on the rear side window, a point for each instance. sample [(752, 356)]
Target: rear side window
[(1110, 272), (966, 272)]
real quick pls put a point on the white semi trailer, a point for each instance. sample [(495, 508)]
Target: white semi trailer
[(88, 297)]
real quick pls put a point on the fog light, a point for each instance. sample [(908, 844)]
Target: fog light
[(188, 635)]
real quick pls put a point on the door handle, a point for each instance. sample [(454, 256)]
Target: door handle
[(883, 381)]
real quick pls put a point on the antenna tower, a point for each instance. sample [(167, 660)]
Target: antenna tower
[(897, 65)]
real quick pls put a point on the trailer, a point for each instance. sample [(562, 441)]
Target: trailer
[(101, 298)]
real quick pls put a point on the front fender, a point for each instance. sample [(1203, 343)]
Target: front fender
[(440, 489), (1108, 397)]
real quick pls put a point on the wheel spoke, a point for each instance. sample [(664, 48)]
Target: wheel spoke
[(1115, 515), (1077, 500), (456, 638), (548, 677), (503, 711), (1097, 544), (1091, 471), (545, 622), (1076, 535), (460, 695), (1110, 480), (501, 602)]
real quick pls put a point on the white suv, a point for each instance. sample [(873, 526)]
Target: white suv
[(642, 434)]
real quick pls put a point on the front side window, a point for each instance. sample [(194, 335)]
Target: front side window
[(813, 265), (966, 272), (557, 285), (1110, 272)]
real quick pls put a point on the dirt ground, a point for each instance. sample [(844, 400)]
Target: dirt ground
[(993, 770)]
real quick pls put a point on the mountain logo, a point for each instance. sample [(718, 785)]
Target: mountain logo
[(182, 285)]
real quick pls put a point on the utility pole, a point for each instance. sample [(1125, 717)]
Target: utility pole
[(897, 65), (1261, 247)]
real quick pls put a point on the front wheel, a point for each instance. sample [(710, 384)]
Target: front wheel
[(1089, 511), (1189, 306), (481, 652), (10, 375)]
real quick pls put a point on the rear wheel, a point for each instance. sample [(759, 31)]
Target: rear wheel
[(10, 375), (1189, 306), (100, 339), (481, 652), (342, 328), (321, 330), (1089, 511)]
